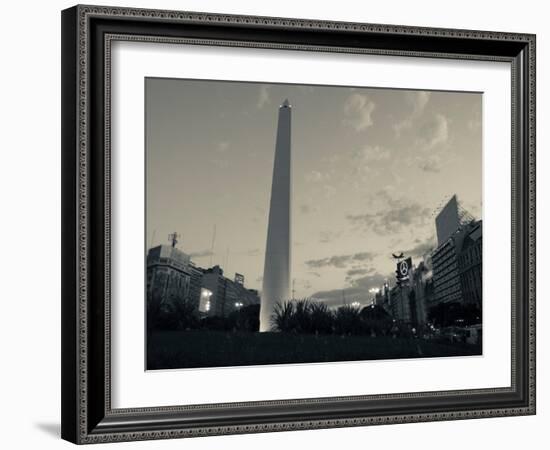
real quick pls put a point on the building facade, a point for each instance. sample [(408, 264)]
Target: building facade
[(168, 278), (470, 265), (422, 286), (220, 296), (400, 305), (446, 277), (457, 266)]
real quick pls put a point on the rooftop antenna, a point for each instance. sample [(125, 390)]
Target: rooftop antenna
[(226, 262), (212, 246), (152, 239), (173, 238)]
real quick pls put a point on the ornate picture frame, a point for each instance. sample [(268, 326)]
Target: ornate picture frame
[(88, 33)]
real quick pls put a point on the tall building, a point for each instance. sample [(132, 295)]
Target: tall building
[(451, 218), (195, 283), (400, 305), (457, 277), (470, 265), (276, 278), (447, 221), (168, 277), (220, 296), (453, 223), (422, 282), (446, 276)]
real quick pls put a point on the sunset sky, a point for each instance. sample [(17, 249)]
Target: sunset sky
[(370, 167)]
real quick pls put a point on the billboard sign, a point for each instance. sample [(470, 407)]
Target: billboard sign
[(403, 269)]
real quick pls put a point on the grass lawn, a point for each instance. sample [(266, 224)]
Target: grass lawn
[(205, 348)]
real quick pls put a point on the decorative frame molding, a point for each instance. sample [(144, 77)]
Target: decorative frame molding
[(87, 34)]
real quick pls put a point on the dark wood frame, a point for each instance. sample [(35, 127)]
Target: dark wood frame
[(87, 32)]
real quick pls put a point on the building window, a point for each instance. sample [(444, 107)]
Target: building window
[(205, 303)]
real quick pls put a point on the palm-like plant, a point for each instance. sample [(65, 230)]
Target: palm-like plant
[(302, 316), (283, 316), (321, 318)]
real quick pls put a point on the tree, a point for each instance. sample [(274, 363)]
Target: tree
[(376, 320), (246, 318), (347, 320)]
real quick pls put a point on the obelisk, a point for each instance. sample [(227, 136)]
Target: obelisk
[(276, 280)]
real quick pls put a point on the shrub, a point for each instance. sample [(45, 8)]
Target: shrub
[(246, 319), (347, 320), (173, 314), (376, 320)]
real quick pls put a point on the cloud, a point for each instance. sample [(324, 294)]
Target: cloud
[(430, 160), (473, 209), (352, 273), (433, 132), (339, 261), (336, 297), (358, 109), (432, 163), (252, 252), (358, 291), (418, 101), (393, 216), (392, 220), (370, 281), (422, 248), (305, 284), (201, 254), (264, 98), (366, 159), (371, 153), (328, 236)]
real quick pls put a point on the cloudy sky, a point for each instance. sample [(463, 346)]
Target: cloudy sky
[(370, 167)]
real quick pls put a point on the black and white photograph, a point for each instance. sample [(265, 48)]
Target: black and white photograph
[(271, 219), (290, 223)]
